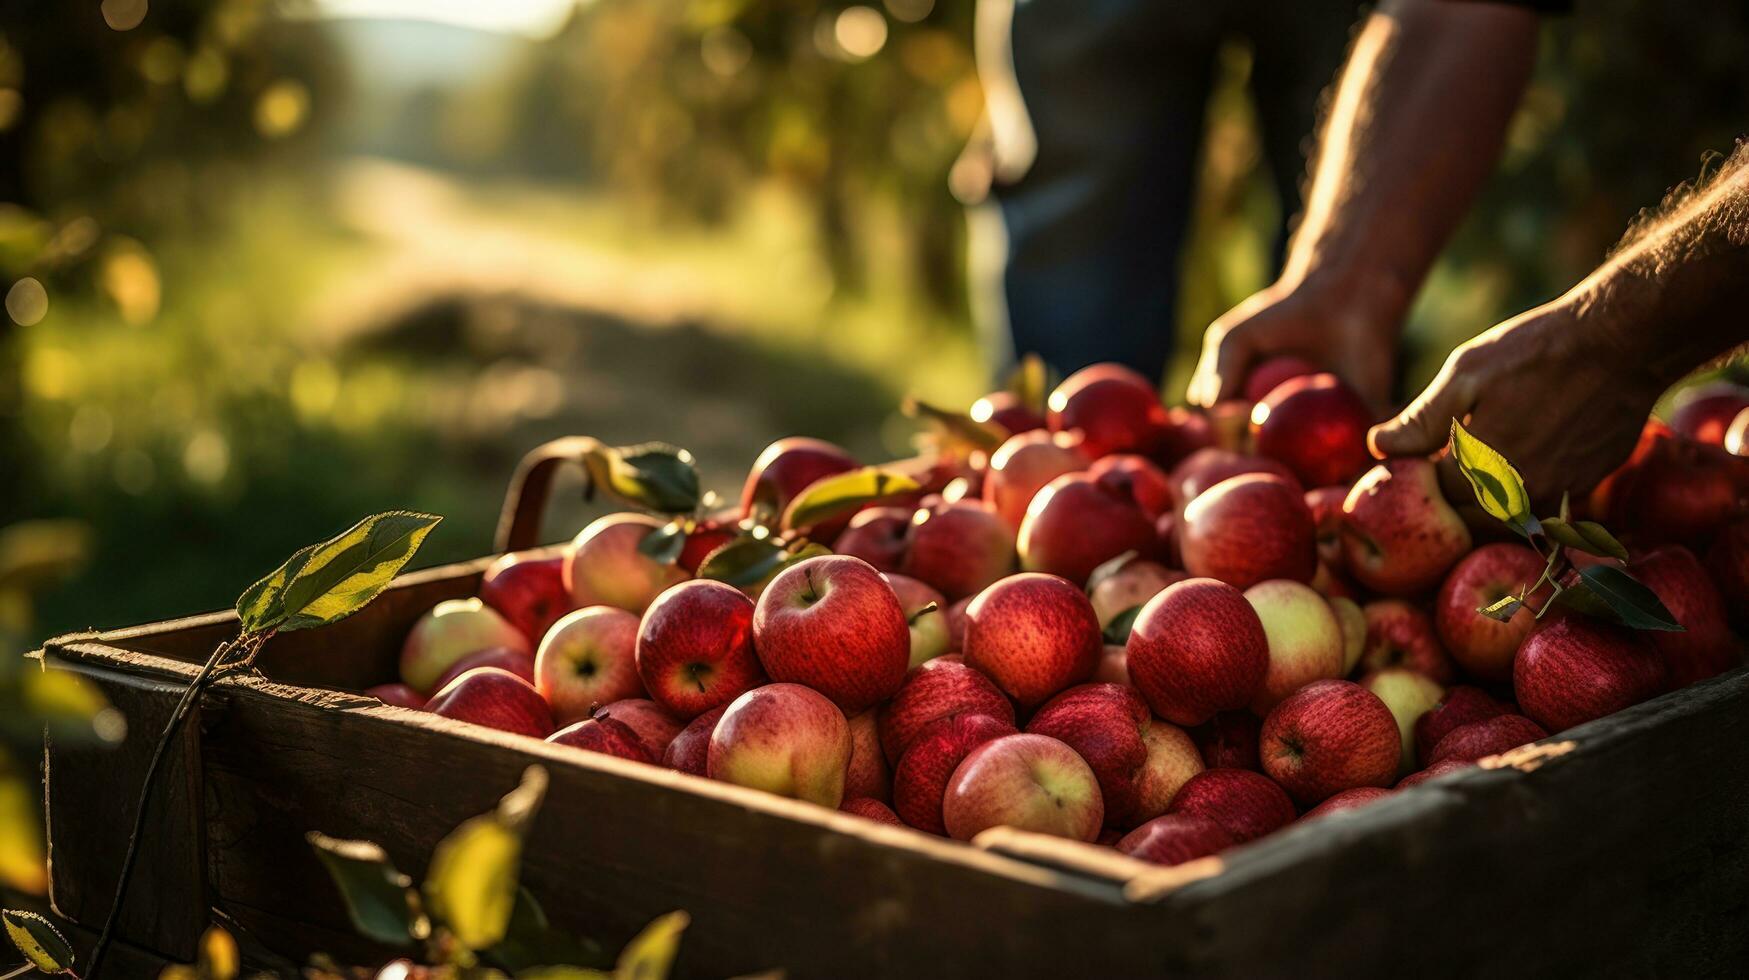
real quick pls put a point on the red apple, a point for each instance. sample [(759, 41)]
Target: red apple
[(1460, 706), (1114, 666), (1305, 639), (588, 658), (608, 736), (1021, 467), (1680, 492), (1572, 669), (1229, 741), (1705, 647), (518, 662), (1034, 635), (603, 566), (1077, 523), (1246, 804), (933, 690), (494, 698), (655, 726), (1029, 782), (1137, 480), (785, 739), (869, 809), (399, 695), (834, 624), (1704, 413), (1172, 759), (690, 750), (928, 629), (958, 548), (1409, 694), (1197, 648), (1728, 563), (705, 537), (1490, 736), (1317, 426), (1481, 645), (1187, 430), (453, 629), (929, 761), (1175, 838), (784, 470), (1327, 737), (1115, 409), (1272, 373), (1139, 762), (528, 589), (1005, 409), (1207, 467), (695, 647), (1246, 529), (1432, 772), (877, 535), (1399, 634), (1399, 536), (956, 624), (867, 773), (1348, 799)]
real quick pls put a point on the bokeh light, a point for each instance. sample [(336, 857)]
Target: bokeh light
[(27, 302), (281, 108), (861, 32), (123, 15), (909, 11)]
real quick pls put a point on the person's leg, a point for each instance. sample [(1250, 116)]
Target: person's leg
[(1115, 90)]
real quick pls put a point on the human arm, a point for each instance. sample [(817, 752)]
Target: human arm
[(1564, 389), (1416, 125)]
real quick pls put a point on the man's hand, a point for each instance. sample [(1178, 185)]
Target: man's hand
[(1547, 389), (1282, 319)]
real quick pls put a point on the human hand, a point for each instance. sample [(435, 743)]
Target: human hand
[(1299, 319), (1550, 389)]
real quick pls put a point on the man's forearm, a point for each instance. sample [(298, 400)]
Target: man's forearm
[(1674, 296), (1416, 125)]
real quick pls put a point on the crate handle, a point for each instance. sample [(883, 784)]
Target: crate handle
[(525, 501)]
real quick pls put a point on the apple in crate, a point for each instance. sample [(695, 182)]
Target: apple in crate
[(958, 548), (528, 588), (1330, 736), (834, 624), (920, 779), (1115, 409), (871, 809), (690, 750), (1399, 536), (937, 689), (1305, 640), (1175, 838), (1409, 695), (1079, 522), (1197, 648), (1461, 706), (877, 535), (494, 698), (1317, 426), (397, 694), (1481, 645), (1034, 635), (1247, 529), (1129, 587), (1573, 669), (1491, 736), (1399, 634), (1029, 782), (453, 629), (867, 774), (603, 565), (588, 659), (1021, 467), (695, 647), (1348, 799), (1138, 767), (1247, 804), (518, 662), (785, 739), (656, 726), (605, 735), (929, 637)]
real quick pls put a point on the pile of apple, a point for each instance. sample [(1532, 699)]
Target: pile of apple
[(1099, 618)]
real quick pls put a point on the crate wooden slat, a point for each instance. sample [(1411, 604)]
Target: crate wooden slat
[(1626, 855)]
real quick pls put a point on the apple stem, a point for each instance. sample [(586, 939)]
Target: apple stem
[(250, 644)]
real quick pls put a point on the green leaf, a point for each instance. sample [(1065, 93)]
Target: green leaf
[(1031, 382), (1502, 609), (750, 560), (650, 954), (1117, 632), (327, 582), (1497, 485), (38, 939), (651, 475), (471, 884), (530, 941), (1587, 536), (957, 426), (379, 899), (1632, 604), (845, 493), (23, 858), (666, 542)]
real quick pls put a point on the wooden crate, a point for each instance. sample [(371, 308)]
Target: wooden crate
[(1619, 848)]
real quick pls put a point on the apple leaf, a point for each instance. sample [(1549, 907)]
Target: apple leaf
[(749, 560), (218, 957), (379, 899), (1587, 536), (327, 582), (1497, 485), (650, 954), (665, 544), (651, 475), (470, 885), (838, 495), (1630, 603), (531, 942), (1117, 632), (1502, 609), (1031, 382), (957, 427), (38, 939)]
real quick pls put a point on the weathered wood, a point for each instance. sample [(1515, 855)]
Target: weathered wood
[(525, 502), (92, 793)]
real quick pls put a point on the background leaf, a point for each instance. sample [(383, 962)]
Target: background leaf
[(650, 955), (531, 941), (40, 942), (379, 899), (327, 582), (1633, 604), (838, 495), (665, 543), (1497, 485), (957, 427), (471, 884), (651, 475)]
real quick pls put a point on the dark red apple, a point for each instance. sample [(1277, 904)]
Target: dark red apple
[(695, 647), (1115, 409), (1197, 648), (1034, 635), (1399, 634), (958, 548), (1317, 426), (1681, 492), (1137, 480), (1705, 647), (1432, 772), (1246, 529), (877, 535), (1077, 523), (1187, 430), (1462, 705), (874, 810), (1229, 741), (1727, 561), (655, 725), (1269, 374), (608, 736), (933, 690), (1490, 736), (1481, 645), (920, 779), (528, 588), (867, 774), (518, 662), (1021, 467), (1704, 413), (1175, 838), (834, 624), (1348, 799), (1207, 467), (1105, 724), (784, 470), (1246, 804), (1399, 536), (494, 698), (690, 749), (1327, 737), (1573, 669), (1005, 409), (399, 695)]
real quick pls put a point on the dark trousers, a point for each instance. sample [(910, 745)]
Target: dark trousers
[(1116, 92)]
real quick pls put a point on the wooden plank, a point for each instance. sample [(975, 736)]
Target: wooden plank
[(769, 882), (1627, 856), (92, 793)]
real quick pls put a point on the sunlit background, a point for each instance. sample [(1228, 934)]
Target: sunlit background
[(271, 266)]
